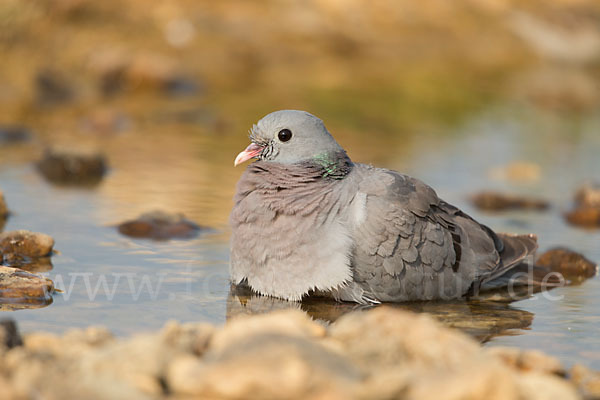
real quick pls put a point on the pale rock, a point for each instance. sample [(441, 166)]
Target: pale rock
[(290, 322), (586, 380), (539, 386), (276, 366), (527, 360)]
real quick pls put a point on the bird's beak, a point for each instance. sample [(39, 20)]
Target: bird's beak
[(253, 150)]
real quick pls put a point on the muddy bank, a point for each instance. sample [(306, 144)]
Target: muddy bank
[(378, 354)]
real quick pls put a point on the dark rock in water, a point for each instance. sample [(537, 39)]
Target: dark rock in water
[(586, 210), (71, 168), (180, 86), (160, 225), (52, 88), (151, 72), (18, 286), (9, 334), (494, 201), (25, 244), (12, 134), (3, 207), (572, 265)]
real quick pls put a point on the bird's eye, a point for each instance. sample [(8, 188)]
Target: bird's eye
[(284, 135)]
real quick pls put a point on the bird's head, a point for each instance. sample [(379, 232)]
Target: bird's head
[(289, 137)]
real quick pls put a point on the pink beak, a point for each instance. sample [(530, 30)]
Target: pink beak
[(253, 150)]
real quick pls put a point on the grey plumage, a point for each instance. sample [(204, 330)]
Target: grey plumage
[(307, 219)]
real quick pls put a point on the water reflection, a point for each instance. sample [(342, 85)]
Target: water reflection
[(483, 319)]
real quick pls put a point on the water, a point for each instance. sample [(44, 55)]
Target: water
[(135, 285)]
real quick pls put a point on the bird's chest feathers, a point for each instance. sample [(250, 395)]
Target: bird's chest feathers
[(291, 241)]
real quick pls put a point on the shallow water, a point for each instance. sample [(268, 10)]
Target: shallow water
[(132, 285)]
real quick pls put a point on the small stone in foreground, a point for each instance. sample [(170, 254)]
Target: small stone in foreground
[(9, 334), (587, 381), (571, 264), (18, 286), (72, 168), (495, 201), (24, 243), (159, 225)]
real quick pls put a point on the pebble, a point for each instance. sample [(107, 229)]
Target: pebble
[(18, 286), (52, 88), (70, 167), (9, 334), (586, 210), (160, 225), (24, 243), (13, 134), (495, 201), (572, 265)]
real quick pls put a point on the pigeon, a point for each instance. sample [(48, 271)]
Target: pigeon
[(307, 220)]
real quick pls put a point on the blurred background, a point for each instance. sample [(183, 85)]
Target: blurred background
[(467, 95)]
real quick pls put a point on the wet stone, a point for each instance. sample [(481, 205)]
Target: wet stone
[(495, 201), (13, 134), (52, 88), (160, 225), (72, 168), (25, 244), (572, 265), (18, 286), (586, 210), (9, 334)]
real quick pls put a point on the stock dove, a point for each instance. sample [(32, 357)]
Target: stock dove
[(307, 220)]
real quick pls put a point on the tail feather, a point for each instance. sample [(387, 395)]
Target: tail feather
[(517, 251)]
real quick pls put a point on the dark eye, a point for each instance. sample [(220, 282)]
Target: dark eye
[(284, 135)]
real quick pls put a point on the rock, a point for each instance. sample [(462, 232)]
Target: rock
[(396, 336), (518, 171), (25, 244), (160, 225), (586, 210), (9, 334), (588, 195), (52, 88), (18, 286), (140, 72), (382, 353), (412, 356), (572, 265), (495, 201), (587, 217), (3, 207), (268, 366), (586, 380), (576, 43), (528, 360), (289, 322), (13, 134), (72, 167), (537, 386)]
